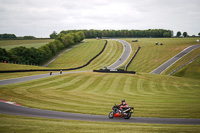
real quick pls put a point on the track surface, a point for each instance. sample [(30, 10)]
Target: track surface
[(124, 56), (32, 112), (27, 78), (174, 59)]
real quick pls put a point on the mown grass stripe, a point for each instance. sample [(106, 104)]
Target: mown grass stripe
[(96, 93), (110, 55)]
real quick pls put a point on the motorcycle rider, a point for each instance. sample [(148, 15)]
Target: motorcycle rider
[(122, 106)]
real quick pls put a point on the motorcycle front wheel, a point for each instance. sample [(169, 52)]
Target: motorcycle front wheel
[(111, 115), (128, 116)]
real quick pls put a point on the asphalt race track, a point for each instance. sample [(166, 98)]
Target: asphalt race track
[(32, 112), (174, 59), (124, 56), (27, 78)]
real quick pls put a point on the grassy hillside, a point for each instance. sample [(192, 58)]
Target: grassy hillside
[(41, 125), (110, 55), (8, 44), (151, 56), (184, 60), (78, 56), (96, 93), (192, 70), (82, 54)]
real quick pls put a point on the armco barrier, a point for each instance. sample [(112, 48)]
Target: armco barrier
[(126, 67), (118, 71), (31, 70)]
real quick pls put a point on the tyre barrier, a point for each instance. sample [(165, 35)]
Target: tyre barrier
[(126, 67), (117, 71), (31, 70)]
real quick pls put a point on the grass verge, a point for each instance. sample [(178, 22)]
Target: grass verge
[(184, 60), (39, 125), (191, 70)]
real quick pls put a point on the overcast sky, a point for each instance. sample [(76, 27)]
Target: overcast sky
[(41, 17)]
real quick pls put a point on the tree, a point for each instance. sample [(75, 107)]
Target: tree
[(4, 56), (178, 34), (67, 39), (167, 34), (45, 51), (70, 38), (185, 34), (53, 35), (199, 34), (34, 56), (52, 47), (77, 37), (82, 35), (20, 54), (59, 44)]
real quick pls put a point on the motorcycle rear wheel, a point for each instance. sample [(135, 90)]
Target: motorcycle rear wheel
[(111, 115)]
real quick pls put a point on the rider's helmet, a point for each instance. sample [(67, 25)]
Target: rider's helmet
[(123, 102)]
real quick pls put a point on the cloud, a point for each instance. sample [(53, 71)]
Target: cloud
[(41, 18)]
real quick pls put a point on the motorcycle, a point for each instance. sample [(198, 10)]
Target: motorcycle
[(126, 113)]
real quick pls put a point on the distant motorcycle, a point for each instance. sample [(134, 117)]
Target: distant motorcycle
[(126, 113)]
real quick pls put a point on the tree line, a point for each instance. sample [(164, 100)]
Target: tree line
[(14, 37), (124, 33), (7, 36), (40, 55)]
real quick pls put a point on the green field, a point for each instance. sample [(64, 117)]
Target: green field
[(82, 54), (39, 125), (151, 56), (8, 44)]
